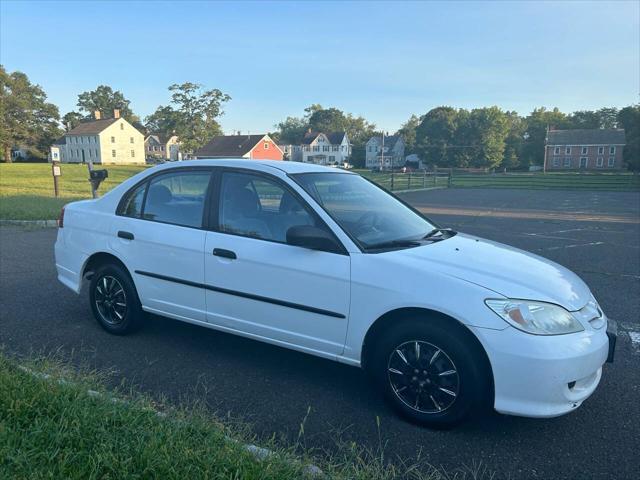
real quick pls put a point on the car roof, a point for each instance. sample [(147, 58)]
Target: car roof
[(285, 166)]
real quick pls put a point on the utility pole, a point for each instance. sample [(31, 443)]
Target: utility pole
[(382, 155), (544, 163)]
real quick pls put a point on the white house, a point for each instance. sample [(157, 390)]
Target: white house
[(392, 156), (165, 147), (326, 149), (293, 153), (101, 141)]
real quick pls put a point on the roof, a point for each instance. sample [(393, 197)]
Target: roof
[(229, 146), (389, 140), (309, 137), (335, 138), (92, 127), (259, 165), (159, 137), (597, 136)]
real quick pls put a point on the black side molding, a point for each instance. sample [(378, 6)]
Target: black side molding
[(125, 235), (250, 296)]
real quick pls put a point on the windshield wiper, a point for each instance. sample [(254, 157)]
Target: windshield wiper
[(394, 243), (442, 231)]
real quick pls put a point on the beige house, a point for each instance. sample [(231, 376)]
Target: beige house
[(165, 147), (102, 141)]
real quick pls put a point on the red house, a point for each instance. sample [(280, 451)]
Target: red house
[(257, 147)]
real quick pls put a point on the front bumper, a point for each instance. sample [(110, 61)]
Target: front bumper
[(544, 376)]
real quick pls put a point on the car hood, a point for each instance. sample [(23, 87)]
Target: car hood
[(506, 270)]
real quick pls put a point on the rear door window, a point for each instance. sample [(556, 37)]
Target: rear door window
[(177, 198)]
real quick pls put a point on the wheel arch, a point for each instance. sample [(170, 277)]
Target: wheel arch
[(387, 320), (97, 259)]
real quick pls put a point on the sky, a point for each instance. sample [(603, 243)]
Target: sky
[(382, 60)]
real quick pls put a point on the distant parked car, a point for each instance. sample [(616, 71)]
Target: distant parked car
[(322, 261)]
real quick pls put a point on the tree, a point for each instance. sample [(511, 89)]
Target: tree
[(584, 119), (71, 120), (537, 123), (408, 132), (291, 130), (629, 119), (26, 118), (489, 127), (104, 99), (192, 114), (514, 141), (436, 131)]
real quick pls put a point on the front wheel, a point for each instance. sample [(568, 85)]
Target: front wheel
[(429, 373), (114, 300)]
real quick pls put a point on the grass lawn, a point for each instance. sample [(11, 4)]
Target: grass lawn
[(26, 190), (56, 422)]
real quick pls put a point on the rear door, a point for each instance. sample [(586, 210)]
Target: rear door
[(259, 285), (159, 234)]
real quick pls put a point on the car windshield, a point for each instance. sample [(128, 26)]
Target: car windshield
[(366, 212)]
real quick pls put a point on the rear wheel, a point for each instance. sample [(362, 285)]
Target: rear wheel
[(429, 373), (114, 300)]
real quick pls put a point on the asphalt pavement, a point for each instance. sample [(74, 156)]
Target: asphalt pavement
[(597, 235)]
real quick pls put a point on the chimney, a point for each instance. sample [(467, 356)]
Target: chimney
[(116, 113), (96, 114)]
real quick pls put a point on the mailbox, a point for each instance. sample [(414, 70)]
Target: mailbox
[(98, 175)]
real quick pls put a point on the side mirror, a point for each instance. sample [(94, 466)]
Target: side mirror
[(313, 238)]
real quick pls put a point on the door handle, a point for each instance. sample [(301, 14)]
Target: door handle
[(125, 235), (221, 252)]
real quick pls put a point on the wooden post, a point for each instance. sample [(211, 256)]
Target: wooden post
[(409, 182), (55, 171), (424, 178), (450, 181), (392, 180)]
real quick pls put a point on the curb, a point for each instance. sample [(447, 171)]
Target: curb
[(30, 223)]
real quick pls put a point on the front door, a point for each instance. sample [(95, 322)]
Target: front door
[(259, 285), (583, 162), (158, 233)]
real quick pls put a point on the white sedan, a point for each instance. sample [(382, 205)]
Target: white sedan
[(325, 262)]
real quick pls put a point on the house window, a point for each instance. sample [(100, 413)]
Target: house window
[(113, 153), (612, 150), (122, 126), (585, 150), (567, 151), (266, 145), (162, 148), (600, 150), (133, 153), (612, 161), (556, 162), (556, 151), (325, 148), (599, 162), (113, 139), (130, 139), (567, 162), (584, 161), (316, 148), (332, 158), (306, 148), (90, 153), (335, 148)]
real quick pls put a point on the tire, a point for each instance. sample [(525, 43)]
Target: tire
[(114, 300), (437, 384)]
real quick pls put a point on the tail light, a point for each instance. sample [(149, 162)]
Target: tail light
[(61, 218)]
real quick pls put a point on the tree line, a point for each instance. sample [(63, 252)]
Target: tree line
[(444, 136)]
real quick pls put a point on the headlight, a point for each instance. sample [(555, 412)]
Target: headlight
[(538, 318)]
